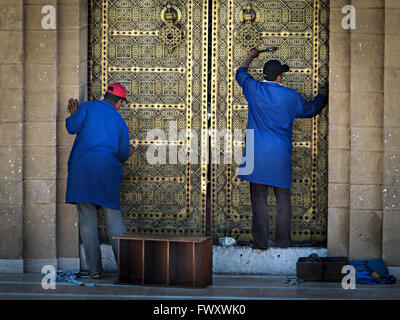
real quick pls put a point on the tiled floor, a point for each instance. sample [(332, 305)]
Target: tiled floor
[(224, 287)]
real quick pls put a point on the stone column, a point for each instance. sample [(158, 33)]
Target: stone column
[(391, 150), (11, 133), (366, 118), (339, 133), (72, 83), (40, 157)]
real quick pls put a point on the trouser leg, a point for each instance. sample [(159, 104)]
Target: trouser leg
[(115, 226), (283, 216), (87, 214), (260, 221)]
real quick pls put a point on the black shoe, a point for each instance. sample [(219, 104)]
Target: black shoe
[(95, 276), (255, 247)]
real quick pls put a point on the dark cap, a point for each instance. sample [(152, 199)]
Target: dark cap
[(118, 90), (273, 68)]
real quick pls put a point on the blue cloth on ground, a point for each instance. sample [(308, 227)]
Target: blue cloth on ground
[(94, 165), (364, 269), (272, 109), (70, 276)]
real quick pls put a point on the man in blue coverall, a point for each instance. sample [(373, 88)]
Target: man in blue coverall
[(272, 109), (95, 170)]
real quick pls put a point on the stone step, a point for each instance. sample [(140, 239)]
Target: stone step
[(236, 259)]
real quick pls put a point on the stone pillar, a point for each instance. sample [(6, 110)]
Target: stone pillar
[(339, 133), (40, 69), (366, 127), (11, 133), (391, 150), (40, 157), (72, 83)]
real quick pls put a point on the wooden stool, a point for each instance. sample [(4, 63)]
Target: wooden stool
[(164, 260)]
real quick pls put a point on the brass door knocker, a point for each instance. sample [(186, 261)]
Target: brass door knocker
[(170, 35), (248, 35)]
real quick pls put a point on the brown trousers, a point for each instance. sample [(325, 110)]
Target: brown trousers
[(260, 222)]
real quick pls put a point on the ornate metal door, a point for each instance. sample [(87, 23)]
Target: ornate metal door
[(158, 50), (299, 30), (178, 59)]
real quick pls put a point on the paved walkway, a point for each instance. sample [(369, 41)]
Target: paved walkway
[(224, 287)]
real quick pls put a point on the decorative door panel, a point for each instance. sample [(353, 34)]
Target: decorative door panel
[(178, 63), (299, 30), (158, 52)]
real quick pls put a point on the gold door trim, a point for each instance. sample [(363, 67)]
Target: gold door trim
[(104, 49), (189, 28), (134, 33), (138, 69), (204, 113), (229, 101), (306, 71), (284, 34), (157, 106), (158, 142)]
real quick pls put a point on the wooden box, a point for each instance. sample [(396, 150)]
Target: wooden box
[(164, 260)]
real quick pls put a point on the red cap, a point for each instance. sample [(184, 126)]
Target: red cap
[(118, 90)]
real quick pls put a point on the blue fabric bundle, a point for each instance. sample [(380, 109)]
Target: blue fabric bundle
[(372, 272), (70, 276)]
